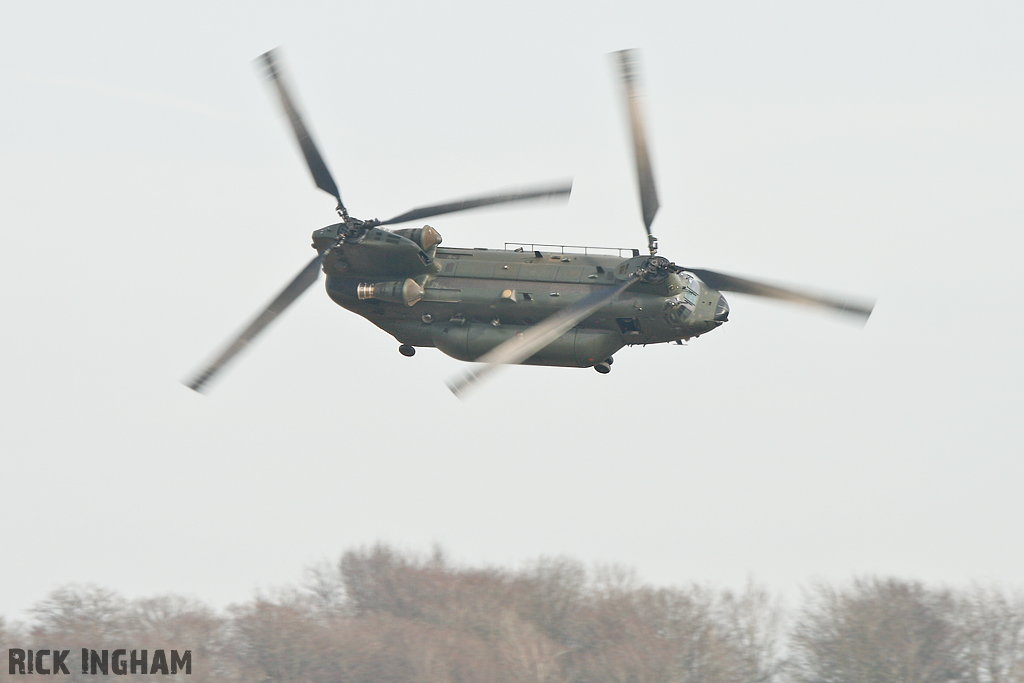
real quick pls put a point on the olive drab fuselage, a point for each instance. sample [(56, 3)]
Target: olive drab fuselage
[(467, 301)]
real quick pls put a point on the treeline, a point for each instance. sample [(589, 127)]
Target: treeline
[(382, 616)]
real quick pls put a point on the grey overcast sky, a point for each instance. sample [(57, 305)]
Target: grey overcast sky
[(152, 200)]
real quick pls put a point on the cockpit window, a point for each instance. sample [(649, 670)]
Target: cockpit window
[(691, 291), (722, 310)]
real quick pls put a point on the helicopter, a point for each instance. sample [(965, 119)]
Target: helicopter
[(534, 304)]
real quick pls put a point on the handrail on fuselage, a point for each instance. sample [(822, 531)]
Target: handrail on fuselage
[(621, 252)]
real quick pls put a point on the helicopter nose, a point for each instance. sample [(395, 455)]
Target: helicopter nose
[(722, 310)]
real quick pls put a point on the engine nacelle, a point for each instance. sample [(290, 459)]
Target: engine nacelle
[(426, 237), (406, 291), (579, 348)]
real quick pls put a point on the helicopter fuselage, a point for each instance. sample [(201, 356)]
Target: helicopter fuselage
[(467, 301), (535, 304)]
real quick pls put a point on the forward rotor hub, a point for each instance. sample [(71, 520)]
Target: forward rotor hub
[(657, 269)]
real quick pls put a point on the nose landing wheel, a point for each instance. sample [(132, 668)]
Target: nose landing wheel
[(603, 367), (407, 350)]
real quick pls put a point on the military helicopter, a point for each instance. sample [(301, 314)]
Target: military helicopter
[(527, 303)]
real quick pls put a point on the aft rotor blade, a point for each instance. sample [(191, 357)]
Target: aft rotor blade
[(732, 283), (504, 197), (306, 277), (629, 69), (519, 348), (273, 70)]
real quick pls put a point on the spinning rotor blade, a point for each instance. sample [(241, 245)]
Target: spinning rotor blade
[(731, 283), (629, 69), (518, 349), (517, 195), (273, 71), (306, 277)]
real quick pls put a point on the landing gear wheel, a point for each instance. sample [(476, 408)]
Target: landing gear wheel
[(609, 360), (604, 368), (407, 351)]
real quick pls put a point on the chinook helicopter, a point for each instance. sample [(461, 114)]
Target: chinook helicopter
[(528, 303)]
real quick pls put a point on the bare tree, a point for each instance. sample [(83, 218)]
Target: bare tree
[(751, 622), (78, 616), (384, 616), (552, 594), (174, 622), (277, 641), (876, 631), (86, 611), (325, 583), (991, 623)]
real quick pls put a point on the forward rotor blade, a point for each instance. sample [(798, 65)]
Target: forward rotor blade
[(306, 277), (732, 283), (519, 348), (273, 70), (505, 197), (629, 69)]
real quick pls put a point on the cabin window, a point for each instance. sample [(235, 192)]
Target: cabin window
[(629, 325)]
